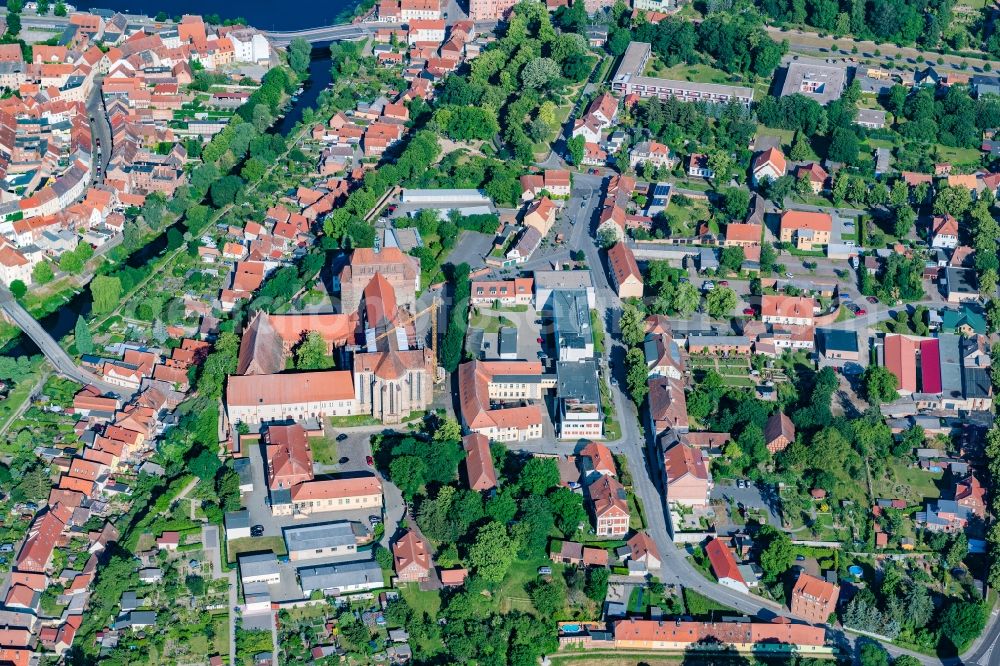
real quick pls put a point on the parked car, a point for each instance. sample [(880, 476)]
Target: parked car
[(748, 312), (342, 436), (789, 276), (872, 300), (724, 283), (860, 312), (544, 571), (257, 531), (370, 461), (374, 520), (343, 460), (540, 341), (708, 285)]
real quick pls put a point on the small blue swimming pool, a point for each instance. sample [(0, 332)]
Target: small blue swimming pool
[(570, 628), (855, 570)]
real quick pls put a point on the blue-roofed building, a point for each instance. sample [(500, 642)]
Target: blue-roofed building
[(659, 198)]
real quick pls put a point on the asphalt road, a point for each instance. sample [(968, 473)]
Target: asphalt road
[(56, 355), (100, 130)]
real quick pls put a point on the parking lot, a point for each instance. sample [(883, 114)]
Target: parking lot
[(355, 448), (763, 499), (528, 331)]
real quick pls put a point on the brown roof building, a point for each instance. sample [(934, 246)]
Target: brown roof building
[(687, 477), (411, 558), (479, 469), (667, 404), (779, 432), (610, 506), (289, 458), (625, 274), (400, 270), (814, 599)]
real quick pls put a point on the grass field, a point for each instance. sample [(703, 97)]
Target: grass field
[(909, 483), (253, 545), (419, 601), (513, 593), (959, 155), (699, 73), (683, 219), (592, 658), (324, 450)]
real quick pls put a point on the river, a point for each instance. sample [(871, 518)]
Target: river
[(263, 14), (63, 320)]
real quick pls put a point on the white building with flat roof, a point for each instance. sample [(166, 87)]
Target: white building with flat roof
[(629, 80), (437, 197), (320, 540)]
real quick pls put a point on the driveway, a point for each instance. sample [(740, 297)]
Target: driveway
[(755, 497), (471, 248)]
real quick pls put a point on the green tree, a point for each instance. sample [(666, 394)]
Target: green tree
[(195, 585), (383, 556), (18, 288), (636, 375), (299, 51), (735, 202), (540, 73), (720, 302), (961, 622), (492, 552), (311, 354), (632, 324), (538, 475), (106, 292), (205, 465), (60, 9), (954, 201), (800, 150), (575, 149), (844, 146), (567, 507), (732, 258), (880, 384), (42, 273), (871, 653), (548, 596), (686, 299), (596, 587), (13, 25), (408, 473), (778, 555), (81, 334)]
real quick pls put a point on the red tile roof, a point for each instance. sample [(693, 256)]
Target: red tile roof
[(361, 486), (479, 462), (289, 458), (723, 563), (290, 389), (411, 551), (623, 264)]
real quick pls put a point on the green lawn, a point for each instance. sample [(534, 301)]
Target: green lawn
[(959, 155), (256, 544), (684, 219), (513, 593), (701, 606), (699, 72), (324, 450), (420, 601), (909, 483), (356, 420)]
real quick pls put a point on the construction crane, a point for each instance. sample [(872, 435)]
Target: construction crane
[(412, 319)]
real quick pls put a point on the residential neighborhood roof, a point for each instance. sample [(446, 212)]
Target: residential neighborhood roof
[(722, 560)]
